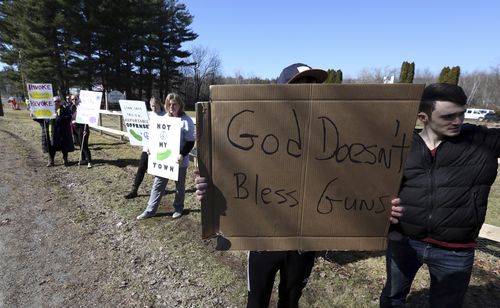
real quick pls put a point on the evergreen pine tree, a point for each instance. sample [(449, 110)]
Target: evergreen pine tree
[(331, 76), (407, 72), (339, 77), (411, 73), (454, 75), (404, 72), (443, 76)]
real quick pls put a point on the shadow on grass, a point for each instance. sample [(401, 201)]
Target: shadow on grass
[(102, 146), (118, 162), (485, 296), (185, 212), (345, 257), (172, 191), (489, 247)]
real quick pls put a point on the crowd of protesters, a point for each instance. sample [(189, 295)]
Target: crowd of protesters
[(62, 133), (435, 219)]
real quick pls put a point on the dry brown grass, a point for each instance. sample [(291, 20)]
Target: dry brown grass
[(339, 279)]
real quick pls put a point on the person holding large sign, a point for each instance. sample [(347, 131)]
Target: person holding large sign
[(444, 191), (87, 113), (294, 266), (56, 133), (157, 109), (175, 108)]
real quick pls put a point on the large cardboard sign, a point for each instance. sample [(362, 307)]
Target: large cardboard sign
[(135, 116), (164, 146), (303, 167), (41, 100), (88, 109)]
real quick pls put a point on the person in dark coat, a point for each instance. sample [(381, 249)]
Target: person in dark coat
[(444, 192), (82, 135), (56, 133)]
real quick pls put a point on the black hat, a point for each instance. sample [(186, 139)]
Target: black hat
[(298, 70)]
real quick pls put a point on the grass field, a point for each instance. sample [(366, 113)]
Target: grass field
[(339, 279)]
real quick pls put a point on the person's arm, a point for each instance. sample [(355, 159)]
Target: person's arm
[(188, 146)]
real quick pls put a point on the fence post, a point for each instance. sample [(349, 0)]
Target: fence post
[(99, 122), (121, 126)]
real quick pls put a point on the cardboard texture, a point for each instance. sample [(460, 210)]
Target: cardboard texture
[(303, 167)]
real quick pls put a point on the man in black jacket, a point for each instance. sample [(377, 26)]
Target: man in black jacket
[(444, 192)]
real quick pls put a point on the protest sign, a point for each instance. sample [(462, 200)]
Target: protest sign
[(41, 100), (135, 116), (303, 167), (164, 146), (87, 111)]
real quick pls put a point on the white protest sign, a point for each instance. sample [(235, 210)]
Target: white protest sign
[(87, 111), (135, 116), (164, 146), (41, 100)]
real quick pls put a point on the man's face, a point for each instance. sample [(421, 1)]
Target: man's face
[(446, 119)]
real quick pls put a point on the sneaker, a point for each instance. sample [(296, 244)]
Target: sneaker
[(145, 215), (89, 166), (176, 215), (131, 194)]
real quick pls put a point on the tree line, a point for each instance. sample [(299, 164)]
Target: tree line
[(135, 46), (127, 45)]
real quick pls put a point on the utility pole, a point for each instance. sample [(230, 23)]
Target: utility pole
[(22, 75)]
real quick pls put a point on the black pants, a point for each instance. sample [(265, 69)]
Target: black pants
[(83, 142), (141, 170), (52, 154), (294, 268)]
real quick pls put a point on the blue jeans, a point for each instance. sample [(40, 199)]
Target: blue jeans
[(450, 272), (158, 189)]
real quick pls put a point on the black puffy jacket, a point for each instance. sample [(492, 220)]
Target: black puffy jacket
[(446, 198)]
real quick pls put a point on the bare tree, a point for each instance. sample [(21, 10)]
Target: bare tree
[(424, 76), (204, 71), (482, 89), (372, 75)]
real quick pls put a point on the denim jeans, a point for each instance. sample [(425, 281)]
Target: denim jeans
[(158, 189), (450, 272)]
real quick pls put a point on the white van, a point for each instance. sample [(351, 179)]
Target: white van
[(476, 113)]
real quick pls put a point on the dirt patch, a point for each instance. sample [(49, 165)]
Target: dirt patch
[(65, 243), (69, 239)]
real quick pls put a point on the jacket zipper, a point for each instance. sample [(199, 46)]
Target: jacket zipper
[(432, 194), (476, 215)]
